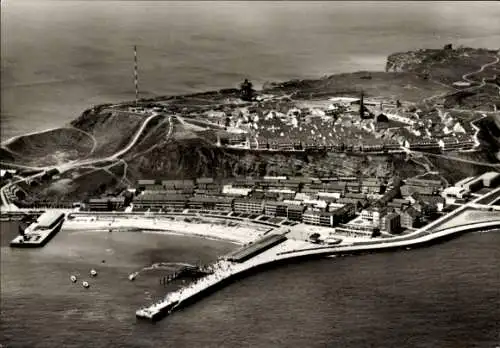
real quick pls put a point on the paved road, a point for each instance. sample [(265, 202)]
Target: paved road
[(465, 77), (78, 163)]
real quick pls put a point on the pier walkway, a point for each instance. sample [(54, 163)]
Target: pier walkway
[(291, 248)]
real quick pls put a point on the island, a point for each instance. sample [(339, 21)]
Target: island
[(345, 164)]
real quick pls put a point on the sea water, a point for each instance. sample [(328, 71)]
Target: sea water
[(445, 295), (60, 57)]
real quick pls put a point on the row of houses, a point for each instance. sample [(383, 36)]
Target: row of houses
[(444, 144), (292, 210), (286, 144), (268, 186)]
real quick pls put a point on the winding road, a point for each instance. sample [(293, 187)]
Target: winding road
[(8, 206), (466, 77), (70, 165)]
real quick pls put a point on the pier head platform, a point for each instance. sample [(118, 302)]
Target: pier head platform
[(39, 233)]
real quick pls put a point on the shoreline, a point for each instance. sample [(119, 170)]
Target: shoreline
[(160, 232), (240, 234)]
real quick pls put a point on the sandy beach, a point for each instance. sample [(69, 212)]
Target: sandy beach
[(236, 232)]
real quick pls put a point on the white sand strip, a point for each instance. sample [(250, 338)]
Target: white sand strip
[(238, 234)]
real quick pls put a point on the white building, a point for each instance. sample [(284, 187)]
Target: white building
[(316, 203), (345, 100), (317, 112), (458, 128), (454, 192), (240, 191), (399, 118), (374, 215), (334, 195)]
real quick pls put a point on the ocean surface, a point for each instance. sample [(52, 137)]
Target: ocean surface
[(60, 57), (444, 296)]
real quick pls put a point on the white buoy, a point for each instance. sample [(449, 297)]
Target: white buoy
[(73, 279), (85, 284), (93, 272)]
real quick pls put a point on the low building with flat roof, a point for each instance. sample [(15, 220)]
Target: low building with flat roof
[(49, 219), (491, 179), (211, 202), (356, 228), (250, 250), (205, 180), (311, 217), (143, 182), (251, 206), (106, 203)]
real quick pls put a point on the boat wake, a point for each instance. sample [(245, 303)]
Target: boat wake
[(160, 265)]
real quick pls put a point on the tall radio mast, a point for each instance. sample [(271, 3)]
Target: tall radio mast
[(136, 76)]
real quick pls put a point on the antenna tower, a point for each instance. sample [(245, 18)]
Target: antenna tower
[(136, 76)]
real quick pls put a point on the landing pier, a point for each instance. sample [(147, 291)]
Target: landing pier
[(41, 231), (243, 259), (278, 247)]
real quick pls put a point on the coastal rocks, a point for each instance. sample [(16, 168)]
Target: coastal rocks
[(403, 61)]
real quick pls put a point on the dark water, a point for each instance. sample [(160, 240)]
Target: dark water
[(443, 296), (59, 57)]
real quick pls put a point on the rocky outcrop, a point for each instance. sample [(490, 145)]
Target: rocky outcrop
[(403, 61)]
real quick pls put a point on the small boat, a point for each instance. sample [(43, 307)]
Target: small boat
[(93, 272), (132, 276), (85, 284), (73, 279)]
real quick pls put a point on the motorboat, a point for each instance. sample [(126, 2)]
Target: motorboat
[(93, 272), (85, 284), (73, 278)]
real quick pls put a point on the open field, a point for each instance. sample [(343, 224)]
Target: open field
[(445, 66), (399, 85)]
